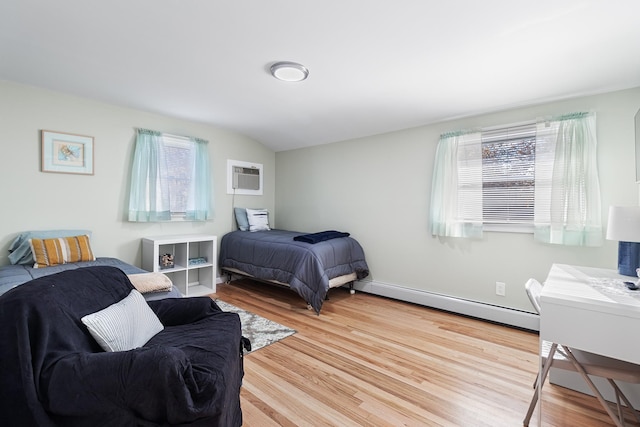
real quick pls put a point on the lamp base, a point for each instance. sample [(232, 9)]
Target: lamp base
[(628, 258)]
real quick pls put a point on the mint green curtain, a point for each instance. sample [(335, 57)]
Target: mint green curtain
[(456, 189), (150, 198), (199, 203), (149, 195), (567, 195)]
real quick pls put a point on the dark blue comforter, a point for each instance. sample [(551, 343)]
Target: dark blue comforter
[(305, 267)]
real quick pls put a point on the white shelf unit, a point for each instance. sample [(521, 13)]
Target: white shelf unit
[(190, 279)]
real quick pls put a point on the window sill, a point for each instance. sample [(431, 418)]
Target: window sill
[(508, 228)]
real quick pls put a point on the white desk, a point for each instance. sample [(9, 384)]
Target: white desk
[(589, 309)]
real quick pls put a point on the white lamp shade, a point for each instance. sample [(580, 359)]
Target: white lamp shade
[(624, 223)]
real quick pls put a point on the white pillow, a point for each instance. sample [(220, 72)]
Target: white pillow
[(258, 219), (125, 325)]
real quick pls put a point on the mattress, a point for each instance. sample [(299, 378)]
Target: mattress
[(15, 275)]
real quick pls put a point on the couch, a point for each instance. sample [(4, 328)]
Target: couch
[(54, 372)]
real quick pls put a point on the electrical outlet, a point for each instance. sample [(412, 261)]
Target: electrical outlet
[(501, 288)]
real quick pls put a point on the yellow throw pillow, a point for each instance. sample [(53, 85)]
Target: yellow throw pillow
[(48, 252)]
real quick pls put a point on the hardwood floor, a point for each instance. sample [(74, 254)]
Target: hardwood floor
[(372, 361)]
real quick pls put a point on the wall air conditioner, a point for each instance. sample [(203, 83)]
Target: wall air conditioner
[(244, 178)]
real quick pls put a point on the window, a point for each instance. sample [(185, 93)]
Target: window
[(170, 178), (540, 178), (493, 181), (178, 154), (508, 176)]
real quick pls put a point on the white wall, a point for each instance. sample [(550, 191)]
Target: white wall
[(378, 189), (33, 200)]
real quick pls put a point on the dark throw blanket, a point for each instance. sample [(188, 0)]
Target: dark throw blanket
[(320, 237), (53, 373)]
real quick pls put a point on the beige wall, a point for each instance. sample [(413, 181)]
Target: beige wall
[(36, 200), (378, 189)]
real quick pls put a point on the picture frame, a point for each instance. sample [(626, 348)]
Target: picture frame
[(67, 153)]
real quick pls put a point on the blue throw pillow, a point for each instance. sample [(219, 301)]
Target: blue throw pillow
[(241, 218)]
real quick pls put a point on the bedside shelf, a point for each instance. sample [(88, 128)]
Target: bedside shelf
[(190, 279)]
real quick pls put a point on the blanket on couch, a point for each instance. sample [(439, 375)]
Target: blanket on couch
[(52, 371)]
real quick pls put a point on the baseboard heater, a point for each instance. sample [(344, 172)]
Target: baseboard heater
[(493, 313)]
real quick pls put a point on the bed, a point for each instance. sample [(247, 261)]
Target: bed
[(283, 257), (15, 275), (22, 268)]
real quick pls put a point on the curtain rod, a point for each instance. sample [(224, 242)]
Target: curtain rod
[(175, 136), (171, 135)]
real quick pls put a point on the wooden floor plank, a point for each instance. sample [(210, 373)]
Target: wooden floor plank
[(372, 361)]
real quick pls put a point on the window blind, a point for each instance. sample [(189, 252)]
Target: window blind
[(508, 174)]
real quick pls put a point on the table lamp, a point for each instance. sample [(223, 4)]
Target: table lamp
[(624, 226)]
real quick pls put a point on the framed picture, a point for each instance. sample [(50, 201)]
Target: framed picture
[(67, 153)]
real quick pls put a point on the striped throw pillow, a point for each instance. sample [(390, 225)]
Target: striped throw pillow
[(258, 219), (48, 252), (125, 325)]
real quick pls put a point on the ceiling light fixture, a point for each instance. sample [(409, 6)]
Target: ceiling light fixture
[(289, 71)]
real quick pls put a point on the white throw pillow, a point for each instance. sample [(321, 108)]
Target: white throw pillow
[(258, 219), (125, 325)]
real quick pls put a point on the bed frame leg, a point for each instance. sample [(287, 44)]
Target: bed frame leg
[(351, 290), (228, 278)]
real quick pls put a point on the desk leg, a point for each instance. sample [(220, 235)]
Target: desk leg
[(541, 379), (536, 400)]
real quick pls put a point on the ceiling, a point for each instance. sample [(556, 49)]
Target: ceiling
[(375, 65)]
